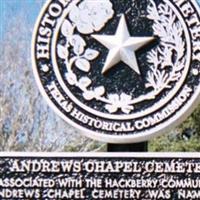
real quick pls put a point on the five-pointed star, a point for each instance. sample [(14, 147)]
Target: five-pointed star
[(122, 46)]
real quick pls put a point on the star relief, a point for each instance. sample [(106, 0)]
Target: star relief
[(122, 47)]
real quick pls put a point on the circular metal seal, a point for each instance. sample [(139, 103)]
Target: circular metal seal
[(120, 71)]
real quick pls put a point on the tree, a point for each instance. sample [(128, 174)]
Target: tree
[(26, 121)]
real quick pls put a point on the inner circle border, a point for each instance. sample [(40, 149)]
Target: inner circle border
[(140, 137), (157, 105)]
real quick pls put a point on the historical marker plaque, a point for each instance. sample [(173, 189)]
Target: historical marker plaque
[(120, 71), (100, 176)]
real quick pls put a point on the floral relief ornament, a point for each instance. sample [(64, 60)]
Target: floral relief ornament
[(89, 17)]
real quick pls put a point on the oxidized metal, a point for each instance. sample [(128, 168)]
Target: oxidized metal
[(120, 71)]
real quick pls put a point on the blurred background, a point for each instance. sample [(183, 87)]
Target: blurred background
[(26, 121)]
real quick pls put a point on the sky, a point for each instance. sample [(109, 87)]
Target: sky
[(11, 9)]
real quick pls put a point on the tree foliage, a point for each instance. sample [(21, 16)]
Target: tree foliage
[(26, 121), (185, 138)]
